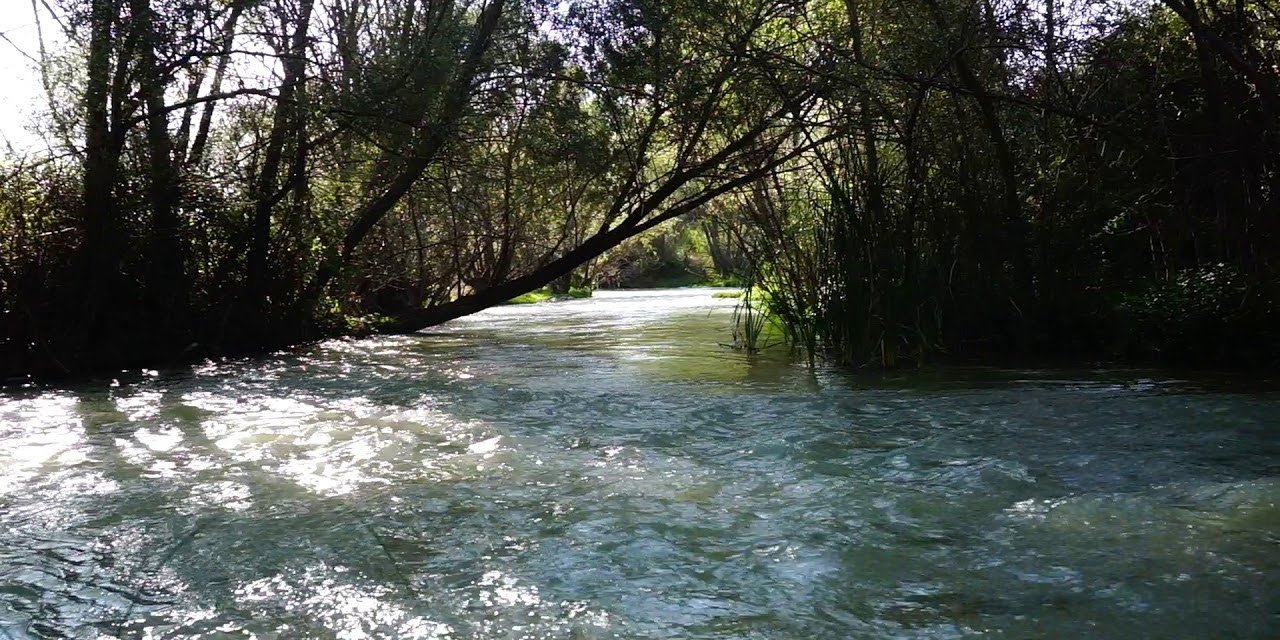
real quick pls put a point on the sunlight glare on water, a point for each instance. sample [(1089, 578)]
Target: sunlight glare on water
[(604, 468)]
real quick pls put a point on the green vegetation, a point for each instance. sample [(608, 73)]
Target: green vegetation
[(686, 253), (721, 281), (547, 295), (1108, 200), (905, 181), (541, 295)]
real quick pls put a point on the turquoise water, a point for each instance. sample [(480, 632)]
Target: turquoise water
[(604, 469)]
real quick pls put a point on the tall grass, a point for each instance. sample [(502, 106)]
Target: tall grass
[(845, 274), (750, 319)]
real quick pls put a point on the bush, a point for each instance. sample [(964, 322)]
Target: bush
[(1210, 314)]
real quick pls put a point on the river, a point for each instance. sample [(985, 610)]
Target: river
[(603, 468)]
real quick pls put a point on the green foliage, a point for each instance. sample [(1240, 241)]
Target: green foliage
[(533, 297), (547, 295), (1107, 198), (669, 257), (756, 325), (365, 325), (1209, 314), (721, 281)]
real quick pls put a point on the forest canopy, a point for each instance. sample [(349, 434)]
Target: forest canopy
[(905, 179)]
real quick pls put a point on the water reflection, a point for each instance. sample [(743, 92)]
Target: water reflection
[(601, 468)]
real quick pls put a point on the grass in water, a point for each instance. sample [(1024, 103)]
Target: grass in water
[(546, 295), (755, 293), (541, 295)]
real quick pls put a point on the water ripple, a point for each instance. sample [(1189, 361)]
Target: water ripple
[(603, 469)]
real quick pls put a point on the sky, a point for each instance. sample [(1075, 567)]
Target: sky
[(21, 98)]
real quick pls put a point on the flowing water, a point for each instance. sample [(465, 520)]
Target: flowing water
[(604, 469)]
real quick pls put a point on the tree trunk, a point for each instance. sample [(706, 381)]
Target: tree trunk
[(195, 155), (287, 120), (166, 281), (438, 131), (101, 242)]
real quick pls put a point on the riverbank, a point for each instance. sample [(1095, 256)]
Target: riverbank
[(1062, 352)]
